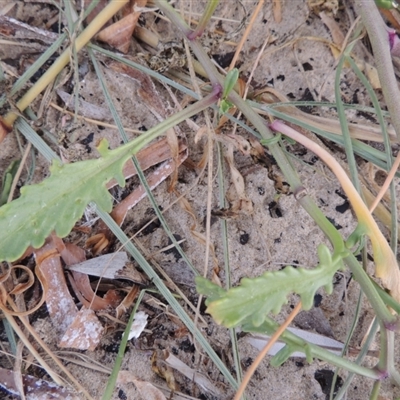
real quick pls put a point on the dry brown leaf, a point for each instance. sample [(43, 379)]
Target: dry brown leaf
[(154, 179), (83, 290), (393, 17), (111, 266), (151, 155), (119, 34), (128, 301), (236, 194), (73, 254), (84, 333), (60, 304)]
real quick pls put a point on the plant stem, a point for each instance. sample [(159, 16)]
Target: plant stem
[(208, 12), (386, 266), (299, 344), (180, 116), (378, 36), (375, 391), (370, 291), (121, 352)]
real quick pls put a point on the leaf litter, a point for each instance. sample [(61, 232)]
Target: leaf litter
[(265, 249)]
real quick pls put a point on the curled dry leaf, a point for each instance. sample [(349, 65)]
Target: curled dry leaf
[(83, 290), (7, 290), (19, 288), (73, 254), (127, 302), (154, 179), (60, 304), (119, 34)]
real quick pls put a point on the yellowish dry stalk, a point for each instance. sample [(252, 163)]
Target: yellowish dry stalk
[(112, 8)]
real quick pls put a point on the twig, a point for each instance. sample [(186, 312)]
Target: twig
[(245, 35)]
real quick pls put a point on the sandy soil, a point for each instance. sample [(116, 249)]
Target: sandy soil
[(303, 70)]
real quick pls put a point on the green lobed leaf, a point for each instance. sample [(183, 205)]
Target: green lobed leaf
[(59, 201), (209, 289), (255, 298)]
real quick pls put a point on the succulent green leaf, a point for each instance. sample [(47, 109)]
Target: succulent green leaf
[(255, 298), (59, 201), (230, 81)]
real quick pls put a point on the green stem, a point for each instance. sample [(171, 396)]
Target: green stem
[(175, 119), (209, 11), (388, 150), (322, 354), (365, 282), (270, 326), (375, 391), (121, 352), (363, 352), (347, 142)]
